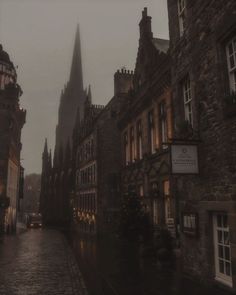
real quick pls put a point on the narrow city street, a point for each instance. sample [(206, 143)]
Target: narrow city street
[(38, 262), (41, 262)]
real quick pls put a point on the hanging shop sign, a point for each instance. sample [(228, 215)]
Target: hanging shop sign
[(184, 159)]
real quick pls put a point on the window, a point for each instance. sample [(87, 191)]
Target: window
[(151, 131), (182, 16), (126, 148), (163, 122), (188, 101), (132, 147), (231, 57), (155, 212), (222, 249), (139, 140), (141, 191), (190, 223)]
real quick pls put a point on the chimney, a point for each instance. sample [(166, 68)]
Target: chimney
[(145, 25), (123, 81)]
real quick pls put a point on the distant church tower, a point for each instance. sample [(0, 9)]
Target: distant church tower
[(72, 97), (57, 177)]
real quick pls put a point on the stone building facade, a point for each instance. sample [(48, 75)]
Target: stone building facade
[(12, 119), (203, 52), (146, 129), (98, 158), (57, 176)]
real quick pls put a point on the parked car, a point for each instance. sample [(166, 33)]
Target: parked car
[(34, 220)]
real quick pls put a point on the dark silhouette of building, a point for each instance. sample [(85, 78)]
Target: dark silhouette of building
[(12, 119), (57, 176), (96, 201), (203, 52)]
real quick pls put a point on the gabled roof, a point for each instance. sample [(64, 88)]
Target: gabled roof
[(161, 44)]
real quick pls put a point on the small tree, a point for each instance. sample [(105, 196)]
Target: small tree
[(134, 221)]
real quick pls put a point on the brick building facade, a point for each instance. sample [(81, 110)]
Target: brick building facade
[(203, 52), (146, 127), (12, 119)]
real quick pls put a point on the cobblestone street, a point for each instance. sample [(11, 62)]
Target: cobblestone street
[(38, 262)]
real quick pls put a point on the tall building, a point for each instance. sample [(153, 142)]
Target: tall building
[(203, 53), (12, 119), (146, 129), (98, 161), (57, 176), (72, 97)]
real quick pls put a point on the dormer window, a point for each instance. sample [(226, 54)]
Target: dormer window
[(182, 16)]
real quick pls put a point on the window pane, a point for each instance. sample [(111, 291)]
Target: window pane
[(220, 236), (227, 253), (221, 266), (225, 221), (227, 269), (226, 238), (221, 253)]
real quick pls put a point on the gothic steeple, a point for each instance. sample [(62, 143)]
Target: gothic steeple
[(72, 97), (45, 151), (76, 73)]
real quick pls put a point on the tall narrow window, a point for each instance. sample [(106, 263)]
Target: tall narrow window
[(163, 122), (182, 16), (139, 140), (132, 145), (151, 131), (222, 249), (126, 148), (231, 57), (188, 101)]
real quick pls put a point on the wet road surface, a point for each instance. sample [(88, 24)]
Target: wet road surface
[(112, 267), (39, 262)]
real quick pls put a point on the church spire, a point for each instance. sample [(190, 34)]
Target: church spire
[(90, 94), (76, 75), (45, 152)]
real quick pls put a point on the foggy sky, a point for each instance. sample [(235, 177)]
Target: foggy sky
[(39, 36)]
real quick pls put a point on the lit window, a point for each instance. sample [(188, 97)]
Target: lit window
[(231, 57), (126, 148), (187, 100), (151, 131), (139, 140), (132, 145), (182, 16)]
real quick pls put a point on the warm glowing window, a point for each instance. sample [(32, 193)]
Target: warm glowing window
[(139, 140), (151, 131), (132, 145)]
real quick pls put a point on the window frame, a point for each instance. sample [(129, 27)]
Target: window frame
[(182, 16)]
